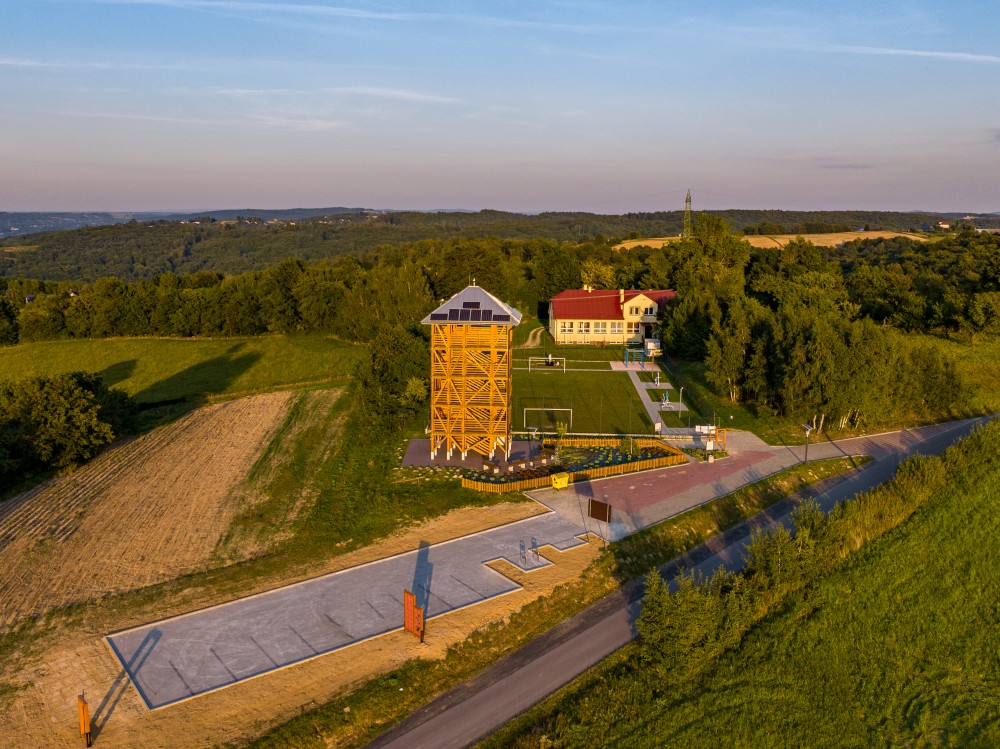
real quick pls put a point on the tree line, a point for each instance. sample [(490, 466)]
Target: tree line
[(144, 250), (799, 331)]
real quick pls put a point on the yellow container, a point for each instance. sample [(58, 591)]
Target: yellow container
[(560, 480)]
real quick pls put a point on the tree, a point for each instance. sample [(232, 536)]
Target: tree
[(728, 349), (597, 274), (9, 329)]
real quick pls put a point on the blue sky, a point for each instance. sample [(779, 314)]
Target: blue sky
[(596, 106)]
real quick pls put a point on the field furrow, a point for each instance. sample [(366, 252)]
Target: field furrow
[(145, 511)]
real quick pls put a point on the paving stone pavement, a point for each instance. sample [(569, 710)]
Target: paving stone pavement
[(179, 658)]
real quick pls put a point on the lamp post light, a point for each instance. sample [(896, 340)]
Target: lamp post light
[(808, 430)]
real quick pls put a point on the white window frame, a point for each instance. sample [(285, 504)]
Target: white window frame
[(565, 326), (600, 328), (649, 310), (616, 328), (633, 328), (633, 311), (585, 327)]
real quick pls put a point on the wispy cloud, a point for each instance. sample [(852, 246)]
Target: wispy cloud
[(400, 94), (299, 124), (20, 62), (151, 118), (929, 54), (244, 6), (333, 11)]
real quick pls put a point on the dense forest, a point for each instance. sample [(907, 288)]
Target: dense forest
[(144, 250), (798, 331)]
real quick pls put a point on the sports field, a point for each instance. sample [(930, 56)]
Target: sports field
[(602, 402)]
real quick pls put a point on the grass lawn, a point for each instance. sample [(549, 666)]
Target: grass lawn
[(168, 369), (601, 401)]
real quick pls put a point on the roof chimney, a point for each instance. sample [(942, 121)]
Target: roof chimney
[(621, 297)]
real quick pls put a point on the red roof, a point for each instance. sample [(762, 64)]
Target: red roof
[(601, 304)]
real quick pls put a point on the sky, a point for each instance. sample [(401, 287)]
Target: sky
[(606, 107)]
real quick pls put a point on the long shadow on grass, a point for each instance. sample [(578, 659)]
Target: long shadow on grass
[(192, 387), (118, 372)]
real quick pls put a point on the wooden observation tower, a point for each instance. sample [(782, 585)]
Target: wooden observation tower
[(471, 367)]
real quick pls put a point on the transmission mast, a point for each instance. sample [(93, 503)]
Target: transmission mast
[(687, 216)]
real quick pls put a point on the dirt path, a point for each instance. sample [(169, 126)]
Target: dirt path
[(42, 714), (534, 339), (143, 512)]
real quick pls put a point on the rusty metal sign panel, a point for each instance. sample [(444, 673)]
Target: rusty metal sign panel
[(413, 615), (600, 510)]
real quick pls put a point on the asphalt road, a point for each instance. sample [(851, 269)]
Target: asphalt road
[(481, 705)]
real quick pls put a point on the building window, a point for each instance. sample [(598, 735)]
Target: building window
[(566, 326), (585, 328), (600, 328), (616, 328), (633, 328), (649, 311), (633, 311)]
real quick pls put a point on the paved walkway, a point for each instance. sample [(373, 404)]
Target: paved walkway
[(179, 658), (642, 499)]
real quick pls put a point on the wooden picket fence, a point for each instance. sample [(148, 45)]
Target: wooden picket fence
[(500, 487), (639, 442)]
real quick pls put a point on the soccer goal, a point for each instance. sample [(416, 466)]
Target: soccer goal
[(546, 418), (547, 363)]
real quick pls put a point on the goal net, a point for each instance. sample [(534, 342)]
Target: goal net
[(544, 363), (547, 418)]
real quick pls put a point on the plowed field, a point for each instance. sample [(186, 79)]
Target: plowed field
[(143, 512)]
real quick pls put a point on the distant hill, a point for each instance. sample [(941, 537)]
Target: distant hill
[(20, 224), (235, 241)]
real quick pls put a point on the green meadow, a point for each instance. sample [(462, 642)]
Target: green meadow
[(154, 370)]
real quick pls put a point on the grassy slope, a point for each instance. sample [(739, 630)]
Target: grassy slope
[(160, 369), (895, 647)]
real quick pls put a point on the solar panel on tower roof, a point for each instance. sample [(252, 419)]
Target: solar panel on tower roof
[(470, 305), (439, 316)]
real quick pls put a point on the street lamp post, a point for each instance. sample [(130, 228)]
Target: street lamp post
[(808, 429)]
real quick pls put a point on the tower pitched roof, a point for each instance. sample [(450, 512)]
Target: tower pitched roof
[(473, 305)]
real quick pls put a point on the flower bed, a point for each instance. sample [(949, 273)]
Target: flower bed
[(581, 463)]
